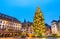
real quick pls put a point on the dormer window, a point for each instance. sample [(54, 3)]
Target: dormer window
[(0, 21)]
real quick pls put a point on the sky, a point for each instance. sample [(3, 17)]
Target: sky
[(25, 9)]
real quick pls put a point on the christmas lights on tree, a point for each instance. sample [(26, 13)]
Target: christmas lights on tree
[(39, 25)]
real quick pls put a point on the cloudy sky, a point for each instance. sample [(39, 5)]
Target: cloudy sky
[(25, 9)]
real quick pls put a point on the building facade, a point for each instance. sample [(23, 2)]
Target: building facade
[(58, 26), (54, 27), (8, 23), (48, 30), (27, 28)]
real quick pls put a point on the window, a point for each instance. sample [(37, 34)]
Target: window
[(3, 26), (0, 26), (0, 21), (2, 15), (15, 24)]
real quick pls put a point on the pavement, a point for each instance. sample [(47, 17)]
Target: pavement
[(20, 38), (29, 38)]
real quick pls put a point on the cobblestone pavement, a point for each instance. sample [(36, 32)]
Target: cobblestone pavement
[(29, 38), (20, 38)]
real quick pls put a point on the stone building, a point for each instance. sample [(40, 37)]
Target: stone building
[(26, 27), (8, 23), (48, 30), (58, 26), (54, 27)]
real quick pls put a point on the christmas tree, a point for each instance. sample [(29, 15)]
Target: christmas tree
[(38, 25)]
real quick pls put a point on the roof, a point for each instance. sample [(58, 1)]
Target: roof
[(24, 24), (48, 26), (9, 18), (54, 21)]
